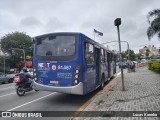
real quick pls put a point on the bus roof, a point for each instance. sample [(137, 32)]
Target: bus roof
[(57, 33), (74, 33)]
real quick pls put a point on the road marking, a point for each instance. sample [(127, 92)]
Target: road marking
[(30, 102), (7, 94), (6, 88)]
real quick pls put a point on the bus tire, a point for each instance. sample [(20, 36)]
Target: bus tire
[(102, 83)]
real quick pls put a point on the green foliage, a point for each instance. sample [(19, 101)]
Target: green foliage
[(16, 40), (1, 59), (147, 52), (154, 27), (131, 53), (154, 66), (138, 56)]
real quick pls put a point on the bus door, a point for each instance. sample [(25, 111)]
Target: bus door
[(112, 64), (97, 65), (114, 67), (109, 64)]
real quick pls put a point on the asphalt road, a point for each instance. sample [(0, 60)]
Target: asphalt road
[(39, 101)]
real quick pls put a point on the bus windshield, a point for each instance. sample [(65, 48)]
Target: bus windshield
[(56, 46)]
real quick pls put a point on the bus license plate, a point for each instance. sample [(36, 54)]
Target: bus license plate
[(54, 82)]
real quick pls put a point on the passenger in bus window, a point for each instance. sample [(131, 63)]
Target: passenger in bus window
[(49, 53)]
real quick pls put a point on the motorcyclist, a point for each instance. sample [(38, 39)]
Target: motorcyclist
[(28, 76)]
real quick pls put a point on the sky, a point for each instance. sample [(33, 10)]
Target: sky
[(37, 17)]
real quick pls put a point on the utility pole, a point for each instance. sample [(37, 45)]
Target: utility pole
[(4, 60), (117, 22)]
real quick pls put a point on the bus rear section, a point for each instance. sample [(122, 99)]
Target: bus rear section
[(56, 64)]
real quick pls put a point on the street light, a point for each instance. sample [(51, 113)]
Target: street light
[(23, 54), (117, 22), (4, 60)]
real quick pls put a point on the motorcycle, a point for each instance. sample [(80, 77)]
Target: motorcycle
[(22, 86)]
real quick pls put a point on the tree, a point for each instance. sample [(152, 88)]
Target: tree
[(154, 27), (147, 52), (138, 56), (131, 53), (16, 40), (124, 56)]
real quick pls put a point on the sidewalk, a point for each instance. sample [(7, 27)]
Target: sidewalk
[(142, 93)]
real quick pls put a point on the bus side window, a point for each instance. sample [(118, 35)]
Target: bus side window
[(102, 56), (89, 54), (49, 53), (111, 57), (106, 57)]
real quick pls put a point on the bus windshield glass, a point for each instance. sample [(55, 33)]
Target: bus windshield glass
[(56, 46)]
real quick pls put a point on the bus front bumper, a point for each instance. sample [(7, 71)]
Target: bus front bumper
[(77, 89)]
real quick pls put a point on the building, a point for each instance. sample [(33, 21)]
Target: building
[(152, 50)]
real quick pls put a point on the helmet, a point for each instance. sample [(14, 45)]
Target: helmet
[(25, 70)]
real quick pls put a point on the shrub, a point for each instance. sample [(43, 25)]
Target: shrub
[(154, 66)]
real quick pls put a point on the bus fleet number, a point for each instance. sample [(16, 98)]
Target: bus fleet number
[(65, 67)]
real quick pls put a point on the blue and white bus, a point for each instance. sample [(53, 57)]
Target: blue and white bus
[(71, 63)]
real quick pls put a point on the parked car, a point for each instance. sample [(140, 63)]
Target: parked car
[(11, 77), (155, 58), (117, 63), (123, 65), (4, 78), (135, 62), (143, 61)]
